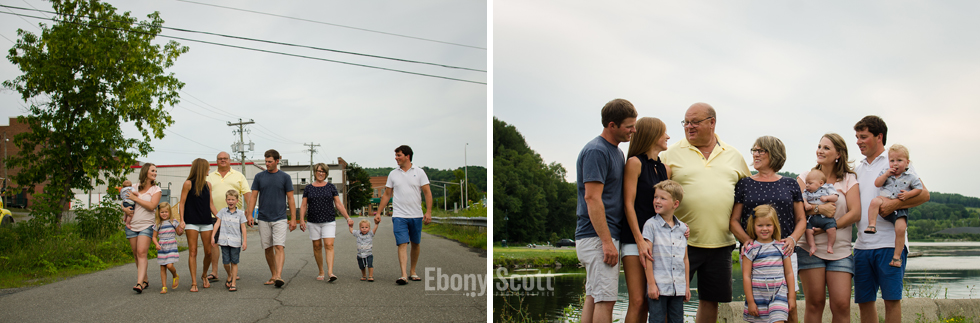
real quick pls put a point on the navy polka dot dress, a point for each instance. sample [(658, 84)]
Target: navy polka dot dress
[(319, 203), (780, 194)]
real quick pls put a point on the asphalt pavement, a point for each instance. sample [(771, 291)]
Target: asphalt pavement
[(450, 290)]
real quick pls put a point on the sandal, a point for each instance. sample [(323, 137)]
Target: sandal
[(211, 278), (871, 230), (319, 277), (363, 278), (205, 283), (371, 279), (146, 284), (414, 278), (332, 279), (228, 284), (279, 283), (270, 282), (164, 290), (896, 262), (138, 288), (176, 280), (401, 281), (193, 288), (232, 289)]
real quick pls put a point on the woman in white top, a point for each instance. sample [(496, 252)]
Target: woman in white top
[(140, 233)]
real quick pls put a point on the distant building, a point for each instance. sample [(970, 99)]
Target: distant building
[(15, 196)]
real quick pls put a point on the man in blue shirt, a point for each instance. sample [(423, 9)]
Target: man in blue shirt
[(273, 189)]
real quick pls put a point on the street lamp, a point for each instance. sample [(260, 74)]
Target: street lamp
[(445, 203), (466, 176)]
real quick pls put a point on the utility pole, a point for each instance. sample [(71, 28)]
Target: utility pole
[(239, 146), (312, 151), (466, 176)]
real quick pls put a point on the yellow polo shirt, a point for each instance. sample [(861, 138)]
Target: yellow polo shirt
[(234, 180), (709, 190)]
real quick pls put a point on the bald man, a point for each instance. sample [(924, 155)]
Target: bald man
[(222, 180)]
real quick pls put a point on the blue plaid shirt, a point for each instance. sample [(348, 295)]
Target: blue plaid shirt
[(669, 248)]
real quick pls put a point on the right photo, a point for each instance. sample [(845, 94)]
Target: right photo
[(761, 162)]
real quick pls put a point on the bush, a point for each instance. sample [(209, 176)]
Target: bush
[(101, 221)]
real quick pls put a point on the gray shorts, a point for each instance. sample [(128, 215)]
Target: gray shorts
[(601, 280), (273, 233)]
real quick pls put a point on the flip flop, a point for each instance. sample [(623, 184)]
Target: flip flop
[(228, 284), (319, 277), (176, 280), (371, 279), (896, 262), (871, 230), (164, 290), (212, 278), (279, 283), (332, 279), (205, 283), (146, 284), (193, 288), (415, 278), (363, 278), (401, 281), (232, 289), (138, 288), (270, 282)]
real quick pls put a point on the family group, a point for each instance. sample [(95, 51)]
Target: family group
[(674, 213), (224, 231)]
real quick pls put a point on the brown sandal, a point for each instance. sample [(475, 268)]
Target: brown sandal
[(871, 230)]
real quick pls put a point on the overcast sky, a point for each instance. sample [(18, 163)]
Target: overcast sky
[(791, 69), (357, 113)]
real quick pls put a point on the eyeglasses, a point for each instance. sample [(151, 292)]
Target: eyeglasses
[(759, 151), (321, 171), (686, 123)]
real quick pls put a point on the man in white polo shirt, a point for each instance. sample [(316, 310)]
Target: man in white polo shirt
[(873, 252), (406, 184)]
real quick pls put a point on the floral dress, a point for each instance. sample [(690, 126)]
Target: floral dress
[(769, 288), (167, 235)]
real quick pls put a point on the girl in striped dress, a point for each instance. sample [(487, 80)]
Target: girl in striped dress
[(766, 270), (165, 239)]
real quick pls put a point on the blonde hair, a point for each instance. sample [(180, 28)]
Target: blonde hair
[(199, 174), (899, 149), (161, 206), (648, 132), (816, 174), (232, 192), (363, 221), (675, 189), (764, 211)]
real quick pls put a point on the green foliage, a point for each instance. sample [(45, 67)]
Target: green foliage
[(531, 200), (535, 257), (359, 184), (474, 237), (930, 217), (477, 179), (32, 253), (382, 171), (83, 77), (947, 198), (101, 221)]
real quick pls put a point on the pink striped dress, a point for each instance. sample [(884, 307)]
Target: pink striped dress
[(769, 288), (167, 235)]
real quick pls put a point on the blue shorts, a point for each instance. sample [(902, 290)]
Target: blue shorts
[(806, 261), (875, 273), (146, 232), (365, 262), (229, 255), (407, 229)]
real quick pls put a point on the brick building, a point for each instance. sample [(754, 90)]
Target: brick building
[(15, 195)]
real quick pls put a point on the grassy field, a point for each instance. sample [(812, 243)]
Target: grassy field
[(468, 235), (537, 257)]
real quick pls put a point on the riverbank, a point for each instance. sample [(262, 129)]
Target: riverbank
[(534, 257)]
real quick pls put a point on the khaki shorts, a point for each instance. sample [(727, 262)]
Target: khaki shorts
[(273, 233), (601, 280)]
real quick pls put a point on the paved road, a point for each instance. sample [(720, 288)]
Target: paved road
[(107, 296)]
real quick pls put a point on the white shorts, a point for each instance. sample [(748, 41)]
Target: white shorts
[(601, 280), (198, 227), (273, 233), (628, 249), (326, 230)]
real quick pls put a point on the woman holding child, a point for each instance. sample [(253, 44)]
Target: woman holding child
[(767, 187), (140, 231), (825, 271), (197, 208), (643, 171), (320, 202)]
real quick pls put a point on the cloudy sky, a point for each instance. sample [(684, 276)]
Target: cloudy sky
[(357, 113), (791, 69)]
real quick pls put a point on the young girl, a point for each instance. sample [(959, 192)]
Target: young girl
[(765, 270), (165, 239)]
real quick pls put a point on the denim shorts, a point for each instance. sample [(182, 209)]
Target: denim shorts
[(807, 261), (365, 262), (876, 274), (146, 232), (407, 229), (230, 255)]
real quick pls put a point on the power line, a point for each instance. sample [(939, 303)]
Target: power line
[(210, 110), (267, 41), (205, 103), (260, 50), (331, 24), (192, 140), (198, 113), (273, 133)]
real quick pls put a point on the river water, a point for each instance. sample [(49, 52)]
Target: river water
[(945, 270)]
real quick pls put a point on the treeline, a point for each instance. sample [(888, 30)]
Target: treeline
[(477, 176), (932, 216), (954, 198), (531, 199)]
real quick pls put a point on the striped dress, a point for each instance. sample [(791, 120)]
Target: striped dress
[(167, 235), (769, 288)]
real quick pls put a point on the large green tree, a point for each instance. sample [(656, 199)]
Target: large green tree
[(84, 76), (359, 187)]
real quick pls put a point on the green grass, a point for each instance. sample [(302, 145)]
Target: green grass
[(474, 237), (34, 257), (511, 256)]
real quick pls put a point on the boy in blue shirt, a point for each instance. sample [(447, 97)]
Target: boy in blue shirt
[(668, 274)]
